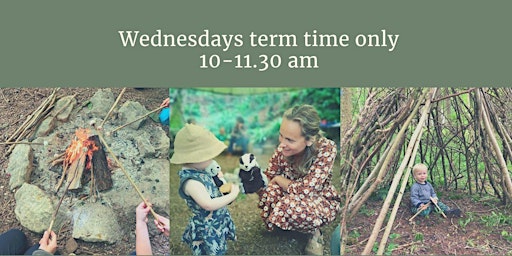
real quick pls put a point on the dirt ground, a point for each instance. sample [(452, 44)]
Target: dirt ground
[(480, 230), (16, 104)]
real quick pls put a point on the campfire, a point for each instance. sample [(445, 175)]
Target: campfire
[(83, 161), (79, 179)]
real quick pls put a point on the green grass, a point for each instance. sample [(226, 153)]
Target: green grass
[(463, 222)]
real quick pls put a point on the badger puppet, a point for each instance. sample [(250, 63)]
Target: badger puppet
[(215, 171), (250, 174)]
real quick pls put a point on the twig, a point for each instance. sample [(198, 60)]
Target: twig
[(21, 142), (93, 185), (31, 121), (3, 96), (57, 157), (363, 241), (126, 174), (405, 245), (418, 212), (54, 216), (438, 208), (137, 119), (57, 112), (57, 161), (453, 95), (112, 108), (501, 248)]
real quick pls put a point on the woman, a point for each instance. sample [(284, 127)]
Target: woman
[(300, 195)]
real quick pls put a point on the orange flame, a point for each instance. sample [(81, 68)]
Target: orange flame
[(74, 151)]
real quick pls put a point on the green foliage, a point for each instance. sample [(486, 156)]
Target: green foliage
[(354, 234), (463, 222), (262, 112), (418, 237), (394, 236), (391, 244), (455, 196), (367, 211), (506, 235), (325, 100), (496, 219), (470, 242), (380, 194)]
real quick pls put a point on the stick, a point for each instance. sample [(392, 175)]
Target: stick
[(364, 240), (54, 216), (126, 174), (21, 142), (405, 245), (112, 108), (32, 119), (92, 185), (3, 96), (418, 212), (437, 206), (137, 119)]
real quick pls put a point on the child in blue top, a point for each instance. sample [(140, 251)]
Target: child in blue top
[(211, 225), (422, 193)]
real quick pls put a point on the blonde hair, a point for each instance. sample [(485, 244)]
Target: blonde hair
[(418, 167), (307, 117)]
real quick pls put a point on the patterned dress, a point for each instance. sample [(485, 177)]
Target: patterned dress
[(310, 201), (207, 232)]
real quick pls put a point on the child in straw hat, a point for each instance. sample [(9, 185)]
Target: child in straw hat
[(211, 225)]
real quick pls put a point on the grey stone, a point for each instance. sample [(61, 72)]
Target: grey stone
[(146, 149), (101, 103), (63, 108), (34, 209), (20, 165), (153, 181), (162, 143), (46, 126), (95, 222), (131, 111)]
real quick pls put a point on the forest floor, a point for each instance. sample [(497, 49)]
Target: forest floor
[(16, 104), (484, 229)]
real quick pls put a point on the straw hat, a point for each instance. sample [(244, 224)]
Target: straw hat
[(195, 144)]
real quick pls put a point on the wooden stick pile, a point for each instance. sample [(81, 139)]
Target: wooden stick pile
[(32, 122)]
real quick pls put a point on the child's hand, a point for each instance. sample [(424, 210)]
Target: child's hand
[(423, 206), (235, 189), (48, 242), (165, 103), (434, 200), (163, 224), (141, 212)]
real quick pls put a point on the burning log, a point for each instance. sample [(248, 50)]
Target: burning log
[(75, 170), (101, 174)]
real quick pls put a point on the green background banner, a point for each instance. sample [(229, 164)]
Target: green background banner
[(71, 43)]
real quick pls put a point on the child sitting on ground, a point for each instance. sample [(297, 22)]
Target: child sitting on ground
[(423, 196), (211, 225)]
